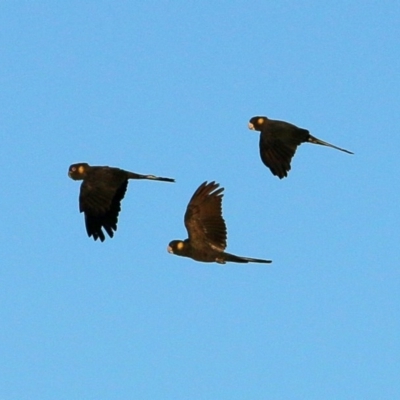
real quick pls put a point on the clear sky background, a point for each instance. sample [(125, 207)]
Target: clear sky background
[(167, 88)]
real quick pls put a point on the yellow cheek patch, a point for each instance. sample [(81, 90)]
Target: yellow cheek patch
[(180, 245), (260, 121), (81, 169)]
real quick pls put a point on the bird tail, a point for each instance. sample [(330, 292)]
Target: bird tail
[(314, 140), (133, 175), (239, 259)]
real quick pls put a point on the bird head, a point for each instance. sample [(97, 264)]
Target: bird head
[(257, 123), (175, 247), (78, 171)]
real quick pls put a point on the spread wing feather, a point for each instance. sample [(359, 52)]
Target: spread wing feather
[(100, 199), (203, 217), (278, 146)]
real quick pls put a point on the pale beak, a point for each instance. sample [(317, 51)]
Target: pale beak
[(169, 249), (251, 126)]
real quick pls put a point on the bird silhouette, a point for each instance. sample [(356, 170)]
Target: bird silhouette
[(206, 229), (101, 193), (279, 141)]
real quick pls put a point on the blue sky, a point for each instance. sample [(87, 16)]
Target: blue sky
[(167, 88)]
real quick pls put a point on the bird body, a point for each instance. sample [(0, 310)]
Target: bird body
[(206, 229), (101, 193), (279, 141)]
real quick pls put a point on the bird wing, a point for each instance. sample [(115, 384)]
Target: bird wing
[(203, 217), (278, 145), (100, 199)]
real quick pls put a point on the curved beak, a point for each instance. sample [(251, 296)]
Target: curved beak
[(251, 126), (169, 249)]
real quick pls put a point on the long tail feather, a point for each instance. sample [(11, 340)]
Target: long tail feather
[(314, 140), (133, 175), (239, 259)]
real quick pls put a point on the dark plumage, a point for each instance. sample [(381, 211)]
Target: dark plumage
[(101, 193), (279, 141), (206, 229)]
